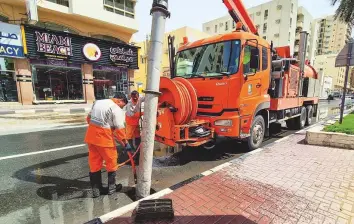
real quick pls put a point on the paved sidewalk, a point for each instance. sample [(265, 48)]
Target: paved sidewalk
[(17, 108), (287, 182)]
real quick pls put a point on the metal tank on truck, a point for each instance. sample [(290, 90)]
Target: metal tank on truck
[(234, 85)]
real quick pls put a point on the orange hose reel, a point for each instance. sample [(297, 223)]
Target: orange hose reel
[(177, 112), (180, 94)]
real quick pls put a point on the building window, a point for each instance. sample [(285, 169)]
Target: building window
[(226, 26), (216, 28), (258, 13), (8, 88), (291, 22), (221, 24), (264, 37), (233, 25), (60, 2), (208, 29), (276, 35), (277, 21), (279, 7), (292, 7), (264, 28), (266, 14), (120, 7)]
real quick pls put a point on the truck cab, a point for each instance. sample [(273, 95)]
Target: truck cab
[(231, 75)]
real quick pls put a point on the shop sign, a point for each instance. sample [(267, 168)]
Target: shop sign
[(10, 40), (72, 48), (121, 55), (92, 52), (53, 46)]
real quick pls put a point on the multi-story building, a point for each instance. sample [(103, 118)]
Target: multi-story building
[(326, 65), (77, 51), (276, 21), (179, 34), (303, 23), (332, 35)]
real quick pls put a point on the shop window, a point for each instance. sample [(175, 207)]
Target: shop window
[(8, 88), (57, 83), (109, 83)]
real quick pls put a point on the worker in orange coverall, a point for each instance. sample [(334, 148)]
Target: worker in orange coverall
[(106, 122), (132, 118)]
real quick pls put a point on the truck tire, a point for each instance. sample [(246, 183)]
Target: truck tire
[(300, 121), (256, 133), (309, 115)]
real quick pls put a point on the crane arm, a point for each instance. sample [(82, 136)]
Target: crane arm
[(239, 13)]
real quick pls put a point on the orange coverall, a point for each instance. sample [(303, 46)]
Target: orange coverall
[(132, 117), (105, 120)]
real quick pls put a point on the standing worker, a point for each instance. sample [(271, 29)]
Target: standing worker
[(132, 118), (106, 121)]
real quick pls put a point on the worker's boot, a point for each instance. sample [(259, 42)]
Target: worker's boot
[(112, 187), (96, 183)]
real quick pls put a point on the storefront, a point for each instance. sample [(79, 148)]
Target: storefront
[(10, 48), (69, 68)]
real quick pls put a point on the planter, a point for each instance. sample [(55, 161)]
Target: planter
[(338, 140)]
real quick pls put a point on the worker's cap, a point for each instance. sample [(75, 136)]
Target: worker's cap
[(121, 96)]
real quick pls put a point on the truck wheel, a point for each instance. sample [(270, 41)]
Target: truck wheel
[(301, 120), (256, 133), (309, 117)]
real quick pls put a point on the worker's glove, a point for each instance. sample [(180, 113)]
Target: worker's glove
[(128, 148)]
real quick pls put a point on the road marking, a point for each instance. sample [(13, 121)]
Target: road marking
[(41, 152)]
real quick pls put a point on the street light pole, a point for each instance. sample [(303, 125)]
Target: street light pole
[(159, 13), (349, 56)]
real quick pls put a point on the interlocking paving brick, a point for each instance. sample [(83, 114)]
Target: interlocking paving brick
[(285, 183)]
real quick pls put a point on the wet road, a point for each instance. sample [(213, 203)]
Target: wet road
[(53, 186)]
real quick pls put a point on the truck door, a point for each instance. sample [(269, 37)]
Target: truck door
[(252, 86)]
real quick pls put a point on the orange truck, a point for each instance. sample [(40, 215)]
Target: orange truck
[(234, 85)]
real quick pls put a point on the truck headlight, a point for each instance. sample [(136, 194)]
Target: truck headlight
[(227, 123)]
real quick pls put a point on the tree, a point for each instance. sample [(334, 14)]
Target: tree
[(345, 10)]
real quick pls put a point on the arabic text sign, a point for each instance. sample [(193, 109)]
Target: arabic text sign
[(10, 40)]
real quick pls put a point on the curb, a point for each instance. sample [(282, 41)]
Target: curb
[(39, 111), (125, 209)]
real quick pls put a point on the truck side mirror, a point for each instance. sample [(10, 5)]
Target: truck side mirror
[(254, 63)]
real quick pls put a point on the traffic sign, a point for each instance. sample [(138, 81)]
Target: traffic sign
[(342, 58)]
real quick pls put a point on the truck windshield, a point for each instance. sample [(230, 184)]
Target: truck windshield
[(209, 60)]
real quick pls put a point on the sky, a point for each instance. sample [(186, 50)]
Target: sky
[(194, 13)]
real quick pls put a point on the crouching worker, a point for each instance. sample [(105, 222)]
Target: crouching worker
[(105, 120), (132, 118)]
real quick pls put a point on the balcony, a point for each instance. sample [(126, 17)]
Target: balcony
[(300, 23)]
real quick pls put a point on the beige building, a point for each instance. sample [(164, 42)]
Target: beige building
[(303, 23), (76, 52), (179, 34), (280, 21), (326, 63), (332, 35)]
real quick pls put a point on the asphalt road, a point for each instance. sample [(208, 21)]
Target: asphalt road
[(39, 186)]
